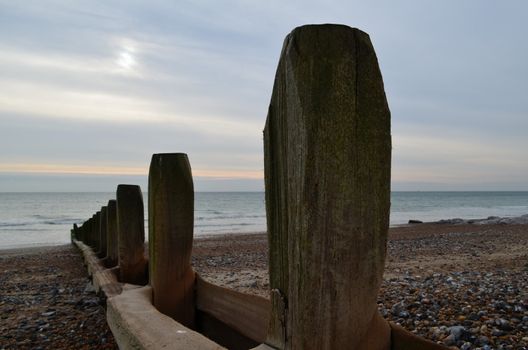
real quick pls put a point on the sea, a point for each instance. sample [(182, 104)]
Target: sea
[(39, 219)]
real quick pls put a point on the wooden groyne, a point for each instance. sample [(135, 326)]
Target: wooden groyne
[(327, 147)]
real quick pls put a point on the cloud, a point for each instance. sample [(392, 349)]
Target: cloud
[(103, 85)]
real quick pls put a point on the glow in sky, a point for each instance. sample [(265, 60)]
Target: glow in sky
[(93, 88)]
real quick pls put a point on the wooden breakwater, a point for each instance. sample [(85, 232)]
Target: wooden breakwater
[(327, 148)]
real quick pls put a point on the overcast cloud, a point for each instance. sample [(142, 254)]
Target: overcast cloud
[(89, 90)]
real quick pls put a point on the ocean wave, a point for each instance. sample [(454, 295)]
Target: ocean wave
[(49, 221), (208, 218), (227, 225), (61, 222), (27, 229), (9, 224)]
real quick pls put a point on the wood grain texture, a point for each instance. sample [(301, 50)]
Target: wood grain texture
[(131, 234), (171, 223), (327, 148), (247, 314)]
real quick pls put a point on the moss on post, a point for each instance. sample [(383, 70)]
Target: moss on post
[(327, 172), (171, 219), (131, 235)]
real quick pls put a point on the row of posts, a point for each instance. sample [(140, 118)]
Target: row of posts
[(327, 155), (117, 234)]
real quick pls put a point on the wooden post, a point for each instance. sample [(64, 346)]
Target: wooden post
[(92, 232), (79, 235), (111, 234), (131, 235), (103, 233), (76, 232), (327, 148), (97, 232), (171, 219), (87, 232)]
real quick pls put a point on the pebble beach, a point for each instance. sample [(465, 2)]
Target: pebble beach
[(47, 301), (459, 284)]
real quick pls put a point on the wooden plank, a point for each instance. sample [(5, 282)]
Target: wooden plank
[(105, 281), (221, 333), (247, 314)]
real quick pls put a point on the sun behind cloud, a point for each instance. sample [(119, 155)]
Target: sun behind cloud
[(127, 55), (126, 60)]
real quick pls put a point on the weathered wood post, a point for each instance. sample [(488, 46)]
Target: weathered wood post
[(89, 232), (85, 232), (111, 234), (79, 232), (103, 233), (171, 219), (327, 152), (131, 234), (97, 232), (92, 232), (75, 233)]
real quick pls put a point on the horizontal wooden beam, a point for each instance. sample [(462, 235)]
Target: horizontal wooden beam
[(245, 313)]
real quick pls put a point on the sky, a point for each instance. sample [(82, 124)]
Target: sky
[(89, 90)]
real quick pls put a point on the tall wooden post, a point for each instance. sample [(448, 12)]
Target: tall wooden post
[(171, 219), (131, 234), (76, 232), (95, 232), (327, 152), (80, 232), (111, 234), (87, 231), (103, 233), (91, 241)]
